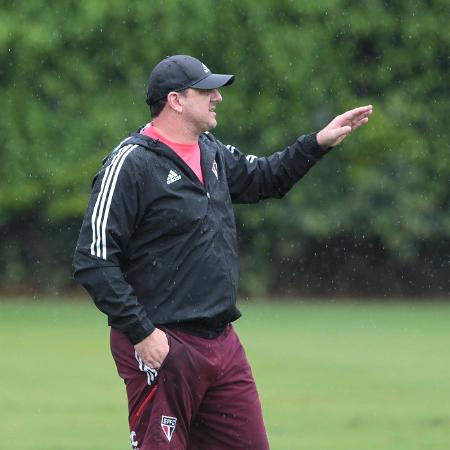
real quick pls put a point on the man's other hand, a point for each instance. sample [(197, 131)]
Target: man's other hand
[(153, 349)]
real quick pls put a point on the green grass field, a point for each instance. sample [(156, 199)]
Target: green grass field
[(332, 376)]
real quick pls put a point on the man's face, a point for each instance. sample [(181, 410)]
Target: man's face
[(199, 108)]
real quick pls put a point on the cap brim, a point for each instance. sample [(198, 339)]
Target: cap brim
[(214, 81)]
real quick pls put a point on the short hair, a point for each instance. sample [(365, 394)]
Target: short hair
[(157, 107)]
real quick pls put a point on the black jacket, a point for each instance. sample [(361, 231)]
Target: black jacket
[(158, 247)]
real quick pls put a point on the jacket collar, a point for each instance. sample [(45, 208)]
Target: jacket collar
[(207, 156)]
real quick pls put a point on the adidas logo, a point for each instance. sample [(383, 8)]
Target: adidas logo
[(172, 177)]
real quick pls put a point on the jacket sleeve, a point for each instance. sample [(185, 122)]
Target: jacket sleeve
[(113, 212), (251, 179)]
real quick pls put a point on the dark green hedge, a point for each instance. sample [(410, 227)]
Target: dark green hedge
[(372, 218)]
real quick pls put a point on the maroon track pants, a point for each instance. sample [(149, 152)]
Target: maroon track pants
[(202, 398)]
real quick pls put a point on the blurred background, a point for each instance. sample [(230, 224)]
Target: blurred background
[(370, 222), (372, 219)]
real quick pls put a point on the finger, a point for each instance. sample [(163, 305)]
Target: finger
[(362, 109), (151, 363), (340, 139), (357, 121), (354, 113), (343, 131), (363, 115), (360, 123), (352, 117), (154, 363)]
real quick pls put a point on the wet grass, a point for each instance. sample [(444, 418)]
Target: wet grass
[(332, 376)]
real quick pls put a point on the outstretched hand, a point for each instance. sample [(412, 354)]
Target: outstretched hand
[(341, 126)]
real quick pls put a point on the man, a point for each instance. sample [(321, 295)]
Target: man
[(157, 252)]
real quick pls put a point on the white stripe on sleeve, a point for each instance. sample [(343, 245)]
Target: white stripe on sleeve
[(100, 213), (111, 192), (105, 182)]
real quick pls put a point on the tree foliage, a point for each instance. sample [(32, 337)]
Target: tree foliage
[(73, 76)]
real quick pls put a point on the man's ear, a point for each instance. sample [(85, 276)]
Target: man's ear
[(174, 101)]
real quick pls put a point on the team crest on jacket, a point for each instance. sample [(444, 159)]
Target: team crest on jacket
[(168, 425), (214, 169)]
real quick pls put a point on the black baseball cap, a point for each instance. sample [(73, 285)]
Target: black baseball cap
[(179, 72)]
